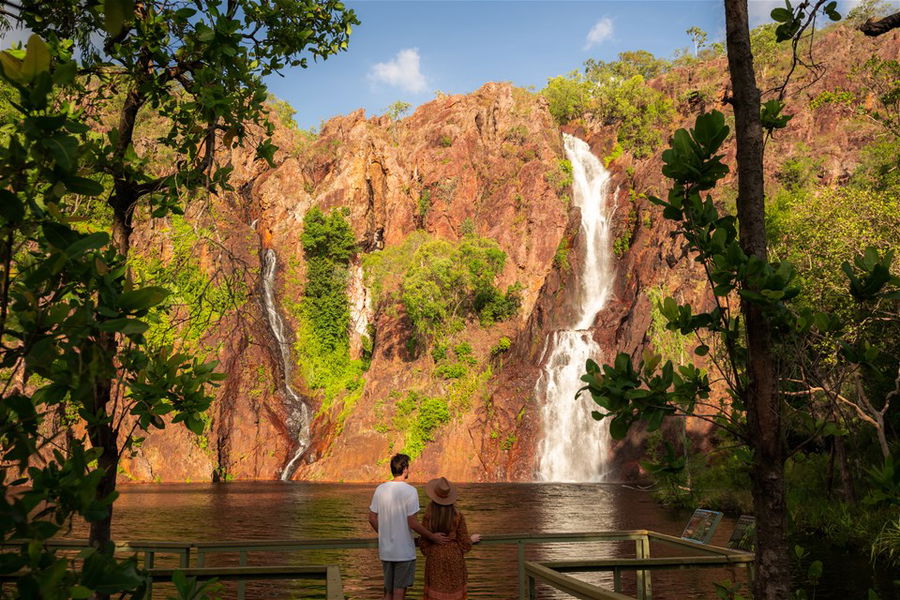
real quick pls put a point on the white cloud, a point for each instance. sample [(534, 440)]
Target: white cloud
[(600, 32), (403, 72)]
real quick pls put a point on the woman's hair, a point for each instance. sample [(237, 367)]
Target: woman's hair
[(441, 517)]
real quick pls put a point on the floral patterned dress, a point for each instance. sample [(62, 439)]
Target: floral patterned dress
[(445, 565)]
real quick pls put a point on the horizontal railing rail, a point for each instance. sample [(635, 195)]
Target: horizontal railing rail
[(193, 557), (567, 584), (334, 589)]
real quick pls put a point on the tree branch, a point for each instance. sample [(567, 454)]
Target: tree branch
[(875, 28)]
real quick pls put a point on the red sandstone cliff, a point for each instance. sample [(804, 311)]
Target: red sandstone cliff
[(488, 158)]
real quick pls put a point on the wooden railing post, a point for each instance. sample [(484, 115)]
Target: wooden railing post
[(334, 587), (642, 550), (148, 564), (522, 582), (242, 585)]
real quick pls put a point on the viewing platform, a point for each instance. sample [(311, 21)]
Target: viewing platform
[(164, 558)]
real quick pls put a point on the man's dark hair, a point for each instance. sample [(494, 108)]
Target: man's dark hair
[(399, 462)]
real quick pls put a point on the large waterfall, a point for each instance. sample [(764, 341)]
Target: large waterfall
[(574, 445), (298, 412)]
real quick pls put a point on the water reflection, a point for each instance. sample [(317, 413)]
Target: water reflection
[(289, 510)]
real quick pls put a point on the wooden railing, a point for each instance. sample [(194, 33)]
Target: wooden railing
[(192, 558)]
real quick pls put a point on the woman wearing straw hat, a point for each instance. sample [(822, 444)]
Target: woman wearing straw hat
[(445, 566)]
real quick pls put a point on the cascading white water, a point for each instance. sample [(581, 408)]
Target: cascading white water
[(298, 412), (574, 445)]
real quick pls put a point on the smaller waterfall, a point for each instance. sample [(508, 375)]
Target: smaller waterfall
[(574, 446), (298, 412)]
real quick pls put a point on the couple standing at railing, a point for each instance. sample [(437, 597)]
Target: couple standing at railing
[(444, 536)]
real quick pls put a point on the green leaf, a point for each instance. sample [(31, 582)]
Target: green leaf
[(115, 12), (64, 149), (59, 236), (781, 15), (11, 209), (142, 299), (93, 241), (124, 325), (65, 72), (815, 570), (701, 350), (618, 427), (83, 186), (37, 58), (12, 66), (79, 591)]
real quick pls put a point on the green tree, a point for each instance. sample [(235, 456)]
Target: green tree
[(734, 264), (328, 244), (698, 38), (200, 68), (629, 64), (398, 110), (568, 96), (64, 293)]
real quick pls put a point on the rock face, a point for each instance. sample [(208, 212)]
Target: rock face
[(489, 163)]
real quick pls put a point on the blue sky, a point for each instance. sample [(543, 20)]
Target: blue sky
[(407, 50)]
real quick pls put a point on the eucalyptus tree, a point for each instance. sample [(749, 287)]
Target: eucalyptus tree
[(70, 317)]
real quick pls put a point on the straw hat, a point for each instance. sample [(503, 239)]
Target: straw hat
[(441, 491)]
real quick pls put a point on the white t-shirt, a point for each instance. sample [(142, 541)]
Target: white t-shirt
[(393, 501)]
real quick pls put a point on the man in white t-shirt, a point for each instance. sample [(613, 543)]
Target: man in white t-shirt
[(393, 515)]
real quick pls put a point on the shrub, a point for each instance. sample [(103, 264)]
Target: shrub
[(561, 256), (450, 371), (492, 306), (445, 141), (424, 205), (463, 352), (561, 178), (502, 345), (419, 417), (440, 283), (799, 172), (517, 134), (439, 351)]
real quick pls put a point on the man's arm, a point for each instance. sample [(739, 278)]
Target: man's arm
[(437, 538), (373, 520)]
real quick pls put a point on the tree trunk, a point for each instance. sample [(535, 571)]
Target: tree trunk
[(847, 490), (760, 394), (102, 433), (103, 436)]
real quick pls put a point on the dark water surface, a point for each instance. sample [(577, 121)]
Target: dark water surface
[(288, 510)]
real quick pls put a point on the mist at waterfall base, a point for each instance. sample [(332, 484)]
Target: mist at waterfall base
[(298, 412), (294, 510), (573, 446)]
